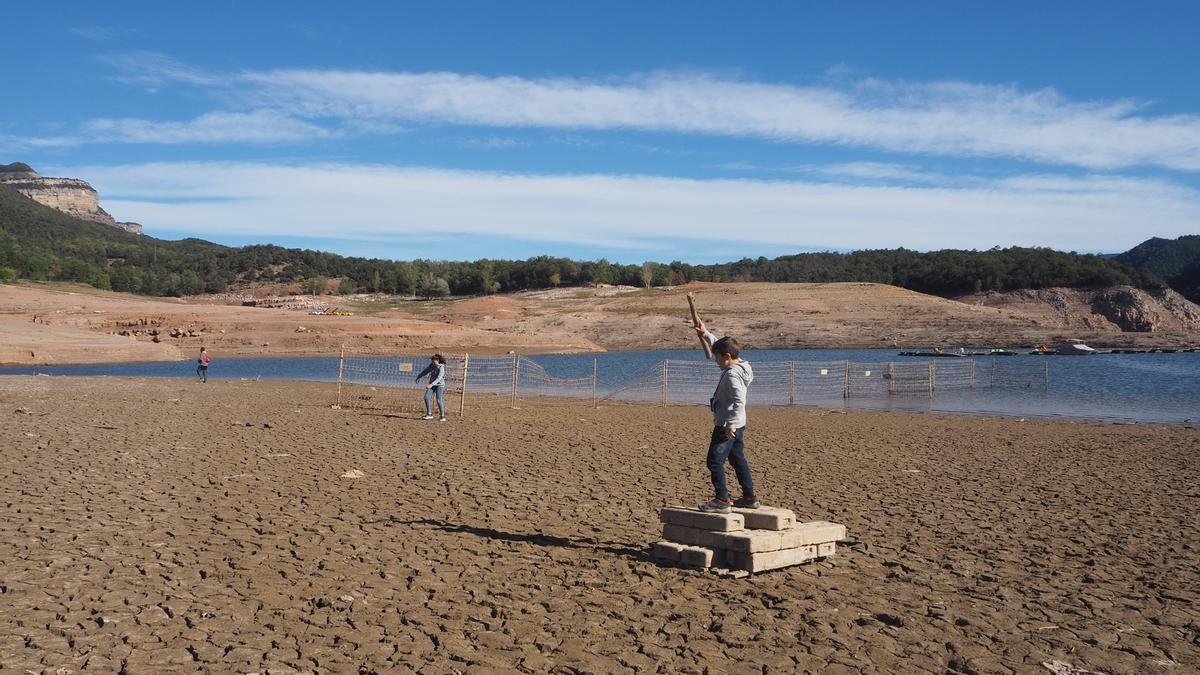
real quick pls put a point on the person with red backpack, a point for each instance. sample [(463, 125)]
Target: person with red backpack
[(202, 365)]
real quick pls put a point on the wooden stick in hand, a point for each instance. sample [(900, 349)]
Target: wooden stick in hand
[(696, 322)]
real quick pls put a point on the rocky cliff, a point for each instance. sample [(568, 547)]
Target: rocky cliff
[(1122, 308), (69, 195)]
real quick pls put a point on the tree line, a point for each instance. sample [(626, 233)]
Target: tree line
[(40, 243)]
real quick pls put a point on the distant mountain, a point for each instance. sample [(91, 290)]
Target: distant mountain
[(1177, 261)]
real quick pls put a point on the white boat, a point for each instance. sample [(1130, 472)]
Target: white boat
[(1074, 348)]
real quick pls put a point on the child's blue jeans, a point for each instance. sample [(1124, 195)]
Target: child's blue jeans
[(732, 450), (441, 400)]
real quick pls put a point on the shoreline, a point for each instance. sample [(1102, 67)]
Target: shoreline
[(798, 407)]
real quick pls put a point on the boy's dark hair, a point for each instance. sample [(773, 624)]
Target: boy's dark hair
[(728, 346), (440, 359)]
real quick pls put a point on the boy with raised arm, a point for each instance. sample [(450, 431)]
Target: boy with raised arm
[(728, 442)]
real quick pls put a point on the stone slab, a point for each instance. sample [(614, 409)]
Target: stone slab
[(768, 518), (696, 556), (690, 536), (717, 522), (814, 532), (827, 549), (770, 560), (667, 551), (749, 541)]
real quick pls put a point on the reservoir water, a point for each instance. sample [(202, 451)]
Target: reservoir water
[(1121, 387)]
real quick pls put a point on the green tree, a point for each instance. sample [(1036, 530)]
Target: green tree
[(432, 287), (318, 285)]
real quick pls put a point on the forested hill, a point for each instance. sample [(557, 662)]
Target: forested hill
[(37, 242), (1177, 261)]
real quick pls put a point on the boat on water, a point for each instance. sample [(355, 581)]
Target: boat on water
[(938, 352), (1073, 348)]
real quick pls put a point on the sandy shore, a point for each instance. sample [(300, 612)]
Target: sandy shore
[(164, 525)]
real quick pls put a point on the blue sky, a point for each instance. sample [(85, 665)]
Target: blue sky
[(698, 131)]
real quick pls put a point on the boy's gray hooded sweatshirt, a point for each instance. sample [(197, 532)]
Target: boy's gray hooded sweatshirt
[(728, 402)]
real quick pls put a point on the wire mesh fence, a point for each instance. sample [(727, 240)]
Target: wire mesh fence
[(389, 382)]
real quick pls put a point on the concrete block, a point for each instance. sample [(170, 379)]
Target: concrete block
[(717, 522), (827, 549), (696, 556), (689, 536), (771, 560), (667, 551), (768, 518), (749, 541), (815, 532)]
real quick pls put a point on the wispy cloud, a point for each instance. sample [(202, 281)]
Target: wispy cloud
[(943, 118), (492, 143), (155, 69), (261, 126), (952, 119), (390, 202), (879, 171), (859, 172)]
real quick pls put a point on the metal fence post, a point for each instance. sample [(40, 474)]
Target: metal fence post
[(972, 373), (791, 383), (594, 404), (931, 379), (516, 365), (341, 371), (665, 380), (891, 379), (1045, 376), (993, 382), (846, 382), (462, 402)]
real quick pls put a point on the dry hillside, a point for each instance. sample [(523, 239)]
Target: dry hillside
[(80, 324)]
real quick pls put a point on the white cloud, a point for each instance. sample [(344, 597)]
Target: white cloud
[(950, 118), (492, 143), (261, 126), (156, 68), (858, 172), (386, 202), (878, 171)]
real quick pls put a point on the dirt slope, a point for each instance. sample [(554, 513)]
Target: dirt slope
[(767, 315), (78, 324), (81, 324)]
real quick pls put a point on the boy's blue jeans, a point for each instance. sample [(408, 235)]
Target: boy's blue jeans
[(441, 400), (732, 450)]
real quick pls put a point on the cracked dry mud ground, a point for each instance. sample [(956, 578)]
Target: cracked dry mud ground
[(162, 525)]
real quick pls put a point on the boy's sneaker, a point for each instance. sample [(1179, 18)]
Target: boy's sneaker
[(750, 502), (427, 417), (441, 419), (717, 506)]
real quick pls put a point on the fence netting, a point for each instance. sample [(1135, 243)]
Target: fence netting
[(389, 382)]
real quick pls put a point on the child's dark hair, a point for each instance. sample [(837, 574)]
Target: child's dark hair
[(440, 359), (728, 346)]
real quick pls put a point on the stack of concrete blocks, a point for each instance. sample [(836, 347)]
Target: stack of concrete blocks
[(751, 540)]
